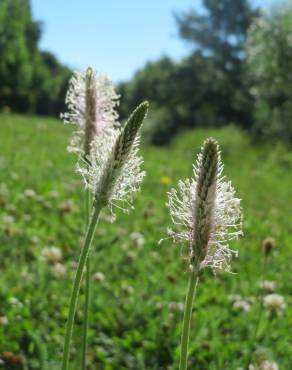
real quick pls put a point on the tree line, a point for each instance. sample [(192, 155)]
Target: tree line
[(238, 71), (31, 80)]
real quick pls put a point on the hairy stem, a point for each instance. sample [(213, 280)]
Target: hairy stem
[(193, 282), (87, 288), (77, 282)]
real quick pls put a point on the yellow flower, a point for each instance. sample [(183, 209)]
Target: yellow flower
[(165, 180)]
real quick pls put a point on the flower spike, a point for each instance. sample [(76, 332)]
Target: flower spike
[(90, 107), (206, 212), (114, 173), (127, 137), (92, 103)]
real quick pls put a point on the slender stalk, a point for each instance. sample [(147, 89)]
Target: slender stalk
[(193, 282), (77, 282), (87, 288)]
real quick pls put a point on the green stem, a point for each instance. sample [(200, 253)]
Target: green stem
[(193, 282), (77, 281), (87, 288)]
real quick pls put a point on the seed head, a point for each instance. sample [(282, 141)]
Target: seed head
[(206, 212), (114, 172), (91, 103), (268, 246), (90, 107), (207, 173)]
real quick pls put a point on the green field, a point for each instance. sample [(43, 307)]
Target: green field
[(136, 304)]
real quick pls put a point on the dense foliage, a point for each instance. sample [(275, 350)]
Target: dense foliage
[(208, 87), (270, 67), (223, 80), (31, 80), (138, 286)]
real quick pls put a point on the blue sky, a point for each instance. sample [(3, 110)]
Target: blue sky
[(115, 37)]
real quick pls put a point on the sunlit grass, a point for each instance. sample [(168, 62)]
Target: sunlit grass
[(136, 317)]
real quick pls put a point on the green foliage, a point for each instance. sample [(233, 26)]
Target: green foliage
[(269, 64), (206, 89), (31, 80), (221, 31), (136, 308), (155, 82), (218, 38)]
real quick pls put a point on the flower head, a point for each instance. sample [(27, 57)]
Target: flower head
[(265, 365), (137, 238), (4, 320), (99, 276), (91, 103), (275, 303), (59, 270), (114, 170), (269, 245), (241, 305), (268, 286), (206, 212), (51, 255)]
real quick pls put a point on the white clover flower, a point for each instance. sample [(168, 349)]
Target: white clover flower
[(131, 256), (265, 365), (274, 303), (159, 305), (176, 306), (268, 286), (114, 173), (4, 320), (99, 276), (206, 212), (29, 193), (234, 297), (126, 288), (241, 305), (8, 220), (269, 365), (137, 238), (91, 102), (59, 270), (51, 255)]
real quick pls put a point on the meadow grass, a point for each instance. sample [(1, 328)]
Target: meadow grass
[(135, 320)]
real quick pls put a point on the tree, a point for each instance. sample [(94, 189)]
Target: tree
[(16, 69), (221, 32), (219, 36), (155, 82), (30, 80), (207, 88), (269, 64)]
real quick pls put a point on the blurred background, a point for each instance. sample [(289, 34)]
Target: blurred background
[(199, 63), (220, 68)]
